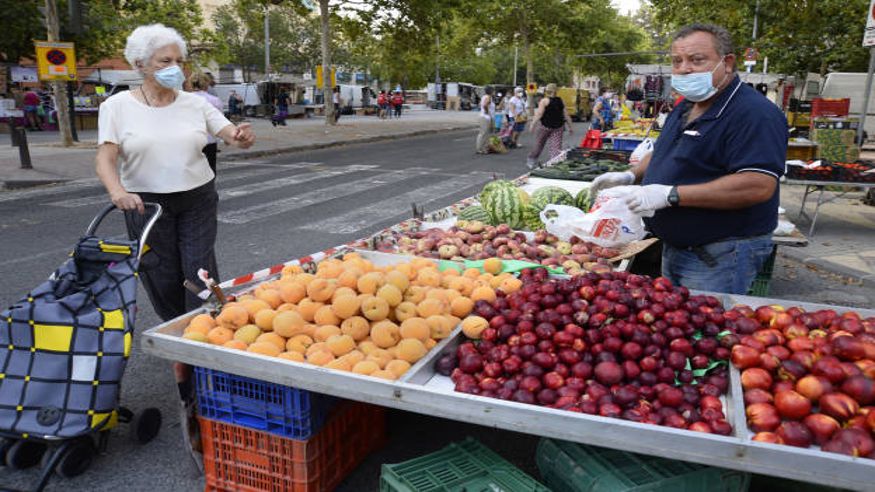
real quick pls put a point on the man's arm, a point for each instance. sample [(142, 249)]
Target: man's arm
[(739, 190), (641, 168)]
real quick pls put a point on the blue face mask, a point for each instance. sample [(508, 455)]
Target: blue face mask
[(170, 77), (696, 87)]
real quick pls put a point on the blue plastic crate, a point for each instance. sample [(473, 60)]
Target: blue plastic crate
[(269, 407), (626, 143)]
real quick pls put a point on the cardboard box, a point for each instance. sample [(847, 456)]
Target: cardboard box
[(825, 123)]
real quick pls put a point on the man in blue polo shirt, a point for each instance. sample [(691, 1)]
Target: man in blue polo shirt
[(711, 184)]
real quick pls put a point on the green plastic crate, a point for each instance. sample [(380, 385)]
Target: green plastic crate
[(572, 467), (467, 466), (760, 286), (775, 484)]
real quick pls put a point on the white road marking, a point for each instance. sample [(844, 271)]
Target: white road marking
[(285, 205), (253, 188), (360, 218), (257, 170), (51, 190)]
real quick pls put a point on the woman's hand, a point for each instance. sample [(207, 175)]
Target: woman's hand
[(243, 137), (127, 201)]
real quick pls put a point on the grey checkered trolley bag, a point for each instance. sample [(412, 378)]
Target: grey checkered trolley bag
[(63, 351)]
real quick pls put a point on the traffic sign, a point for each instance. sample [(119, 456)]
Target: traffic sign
[(532, 88), (55, 61), (869, 33), (751, 54)]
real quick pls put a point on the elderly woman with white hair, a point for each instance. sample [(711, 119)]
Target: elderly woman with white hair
[(150, 140)]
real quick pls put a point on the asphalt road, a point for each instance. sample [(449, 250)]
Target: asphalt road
[(272, 210)]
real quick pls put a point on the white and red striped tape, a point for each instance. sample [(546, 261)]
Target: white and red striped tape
[(634, 136), (266, 273)]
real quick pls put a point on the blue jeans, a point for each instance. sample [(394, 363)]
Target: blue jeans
[(734, 263)]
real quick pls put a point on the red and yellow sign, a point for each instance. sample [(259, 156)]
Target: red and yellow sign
[(55, 60)]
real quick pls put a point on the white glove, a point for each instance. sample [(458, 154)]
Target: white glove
[(644, 200), (609, 180)]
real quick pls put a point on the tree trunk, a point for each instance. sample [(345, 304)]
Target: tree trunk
[(327, 96), (530, 67), (59, 88)]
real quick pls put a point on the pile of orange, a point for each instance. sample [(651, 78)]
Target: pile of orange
[(352, 315)]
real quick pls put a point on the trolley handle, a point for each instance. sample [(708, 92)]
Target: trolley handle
[(156, 213)]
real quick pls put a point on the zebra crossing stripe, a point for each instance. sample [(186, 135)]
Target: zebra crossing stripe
[(285, 205), (370, 215), (252, 188), (222, 178)]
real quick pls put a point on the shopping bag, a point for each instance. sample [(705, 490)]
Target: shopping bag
[(641, 151), (592, 140), (609, 223), (65, 345)]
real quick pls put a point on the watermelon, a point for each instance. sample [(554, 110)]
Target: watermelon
[(551, 195), (582, 200), (475, 212), (524, 196), (532, 218), (505, 206), (492, 186)]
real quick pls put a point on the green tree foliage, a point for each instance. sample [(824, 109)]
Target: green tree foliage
[(105, 26), (22, 23), (477, 39), (294, 36), (798, 36)]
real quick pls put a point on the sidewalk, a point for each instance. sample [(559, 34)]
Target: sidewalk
[(844, 237), (53, 163)]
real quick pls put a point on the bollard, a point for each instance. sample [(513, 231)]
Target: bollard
[(23, 152)]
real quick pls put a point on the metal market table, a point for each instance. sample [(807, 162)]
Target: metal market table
[(422, 390), (811, 186)]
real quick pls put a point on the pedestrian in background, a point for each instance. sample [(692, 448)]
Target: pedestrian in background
[(550, 122), (335, 98), (603, 111), (32, 106), (517, 113), (282, 108), (234, 105), (487, 115), (150, 149), (397, 103), (383, 105), (199, 84)]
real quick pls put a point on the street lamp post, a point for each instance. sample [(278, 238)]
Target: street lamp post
[(437, 74), (266, 40)]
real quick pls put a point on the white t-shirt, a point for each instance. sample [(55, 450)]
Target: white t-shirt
[(516, 106), (487, 111), (160, 148)]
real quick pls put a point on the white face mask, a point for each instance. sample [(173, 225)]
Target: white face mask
[(696, 87)]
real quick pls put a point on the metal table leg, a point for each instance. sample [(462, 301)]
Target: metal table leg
[(802, 213), (816, 209)]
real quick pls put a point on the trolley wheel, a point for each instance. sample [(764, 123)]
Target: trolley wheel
[(76, 459), (146, 425), (5, 444), (24, 453)]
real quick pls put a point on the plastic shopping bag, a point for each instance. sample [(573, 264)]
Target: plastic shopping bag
[(609, 224), (644, 148)]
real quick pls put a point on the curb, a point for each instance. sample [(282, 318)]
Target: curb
[(19, 184), (244, 155), (798, 254)]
